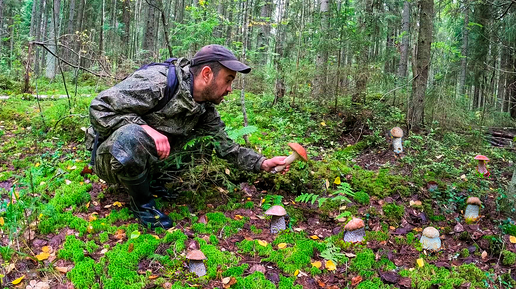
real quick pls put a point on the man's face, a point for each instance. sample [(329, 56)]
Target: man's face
[(219, 86)]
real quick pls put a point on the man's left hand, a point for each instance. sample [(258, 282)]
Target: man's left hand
[(269, 164)]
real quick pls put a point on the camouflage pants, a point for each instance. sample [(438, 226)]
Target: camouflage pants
[(127, 153)]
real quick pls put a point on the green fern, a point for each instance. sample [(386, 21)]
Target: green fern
[(271, 200), (340, 195), (234, 134)]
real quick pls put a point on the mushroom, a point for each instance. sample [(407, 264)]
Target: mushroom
[(481, 168), (355, 231), (196, 264), (472, 210), (430, 239), (278, 220), (397, 134), (299, 153)]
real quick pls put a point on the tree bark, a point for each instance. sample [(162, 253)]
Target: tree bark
[(150, 33), (504, 56), (101, 30), (41, 16), (1, 23), (464, 52), (33, 21), (126, 16), (319, 88), (416, 119), (54, 35), (402, 68), (265, 31)]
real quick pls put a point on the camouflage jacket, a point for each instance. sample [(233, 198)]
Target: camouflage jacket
[(180, 119)]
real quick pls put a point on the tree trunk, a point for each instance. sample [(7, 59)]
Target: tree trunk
[(512, 89), (41, 17), (150, 33), (502, 94), (71, 18), (280, 82), (419, 84), (101, 30), (126, 15), (402, 68), (319, 88), (463, 63), (265, 31), (54, 35), (33, 21)]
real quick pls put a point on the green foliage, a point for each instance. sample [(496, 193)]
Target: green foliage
[(339, 196), (254, 281), (177, 239), (509, 258), (464, 253), (236, 271), (393, 212), (363, 263), (272, 200), (235, 134), (361, 198), (216, 222)]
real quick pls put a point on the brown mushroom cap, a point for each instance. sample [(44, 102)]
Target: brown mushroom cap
[(276, 211), (481, 158), (396, 132), (354, 224), (431, 232), (195, 255), (299, 150), (474, 201)]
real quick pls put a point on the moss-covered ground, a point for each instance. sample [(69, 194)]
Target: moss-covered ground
[(68, 230)]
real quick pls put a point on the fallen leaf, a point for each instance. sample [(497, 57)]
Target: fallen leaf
[(155, 236), (153, 277), (511, 238), (62, 269), (130, 248), (226, 280), (120, 234), (356, 280), (420, 262), (135, 234), (337, 181), (118, 204), (17, 281), (42, 256), (90, 228), (227, 171), (45, 249), (484, 255), (2, 222), (327, 183), (296, 273), (350, 255), (92, 217), (317, 264), (238, 217), (315, 237), (68, 182), (323, 123), (415, 203), (282, 245), (330, 265), (262, 243)]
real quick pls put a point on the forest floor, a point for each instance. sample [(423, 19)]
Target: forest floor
[(63, 229)]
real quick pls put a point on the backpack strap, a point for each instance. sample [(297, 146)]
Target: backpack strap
[(172, 84)]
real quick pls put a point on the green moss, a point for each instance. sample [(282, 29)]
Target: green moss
[(288, 283), (464, 253), (249, 205), (236, 271), (509, 258), (381, 184), (177, 238), (430, 276), (254, 281), (297, 257), (363, 263), (73, 249), (361, 198), (376, 236), (91, 246), (255, 230), (83, 275), (216, 222), (394, 212), (216, 259), (103, 237), (214, 240)]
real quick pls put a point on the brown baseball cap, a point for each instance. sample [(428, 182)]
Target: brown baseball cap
[(219, 53)]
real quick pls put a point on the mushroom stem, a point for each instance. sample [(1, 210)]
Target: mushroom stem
[(397, 144), (277, 224), (290, 159), (482, 167)]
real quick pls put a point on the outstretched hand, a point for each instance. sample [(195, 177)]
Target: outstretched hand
[(270, 164)]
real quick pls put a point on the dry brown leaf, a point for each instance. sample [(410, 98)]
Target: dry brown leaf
[(120, 234), (356, 280), (151, 277), (484, 255), (62, 269), (131, 248), (238, 217)]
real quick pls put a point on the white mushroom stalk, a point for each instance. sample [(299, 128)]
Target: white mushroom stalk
[(299, 153), (472, 213), (195, 264), (278, 218), (355, 231), (397, 143), (430, 239)]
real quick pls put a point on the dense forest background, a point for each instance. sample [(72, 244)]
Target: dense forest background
[(448, 63)]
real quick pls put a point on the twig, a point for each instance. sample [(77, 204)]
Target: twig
[(70, 115)]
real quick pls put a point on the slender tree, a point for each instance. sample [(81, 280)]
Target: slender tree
[(402, 68), (54, 35), (464, 52), (417, 106)]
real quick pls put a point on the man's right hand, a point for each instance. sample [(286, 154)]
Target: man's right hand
[(161, 141)]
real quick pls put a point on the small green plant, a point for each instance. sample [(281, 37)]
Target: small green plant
[(509, 258), (394, 212), (271, 200), (464, 253), (339, 196)]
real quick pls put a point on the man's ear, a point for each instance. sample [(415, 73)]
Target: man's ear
[(206, 74)]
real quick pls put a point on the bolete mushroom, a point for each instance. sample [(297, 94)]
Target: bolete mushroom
[(397, 134), (278, 219), (481, 168), (430, 239), (298, 153), (196, 264), (355, 231), (472, 210)]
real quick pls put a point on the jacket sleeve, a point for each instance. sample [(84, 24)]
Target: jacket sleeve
[(226, 148), (126, 102)]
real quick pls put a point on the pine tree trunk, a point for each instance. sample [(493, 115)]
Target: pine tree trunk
[(512, 89), (1, 23), (280, 82), (265, 31), (402, 68), (101, 29), (126, 15), (54, 35), (40, 17), (502, 94), (419, 84), (319, 88), (150, 33), (33, 21), (464, 52)]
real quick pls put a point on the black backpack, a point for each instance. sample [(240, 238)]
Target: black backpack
[(170, 91)]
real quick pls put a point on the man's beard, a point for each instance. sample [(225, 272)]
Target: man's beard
[(209, 93)]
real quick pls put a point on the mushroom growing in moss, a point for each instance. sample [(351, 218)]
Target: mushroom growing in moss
[(472, 210), (278, 219), (430, 239), (196, 264), (298, 153), (355, 231), (397, 134), (481, 167)]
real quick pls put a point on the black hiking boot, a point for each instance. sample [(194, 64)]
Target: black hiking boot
[(143, 205), (160, 191)]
